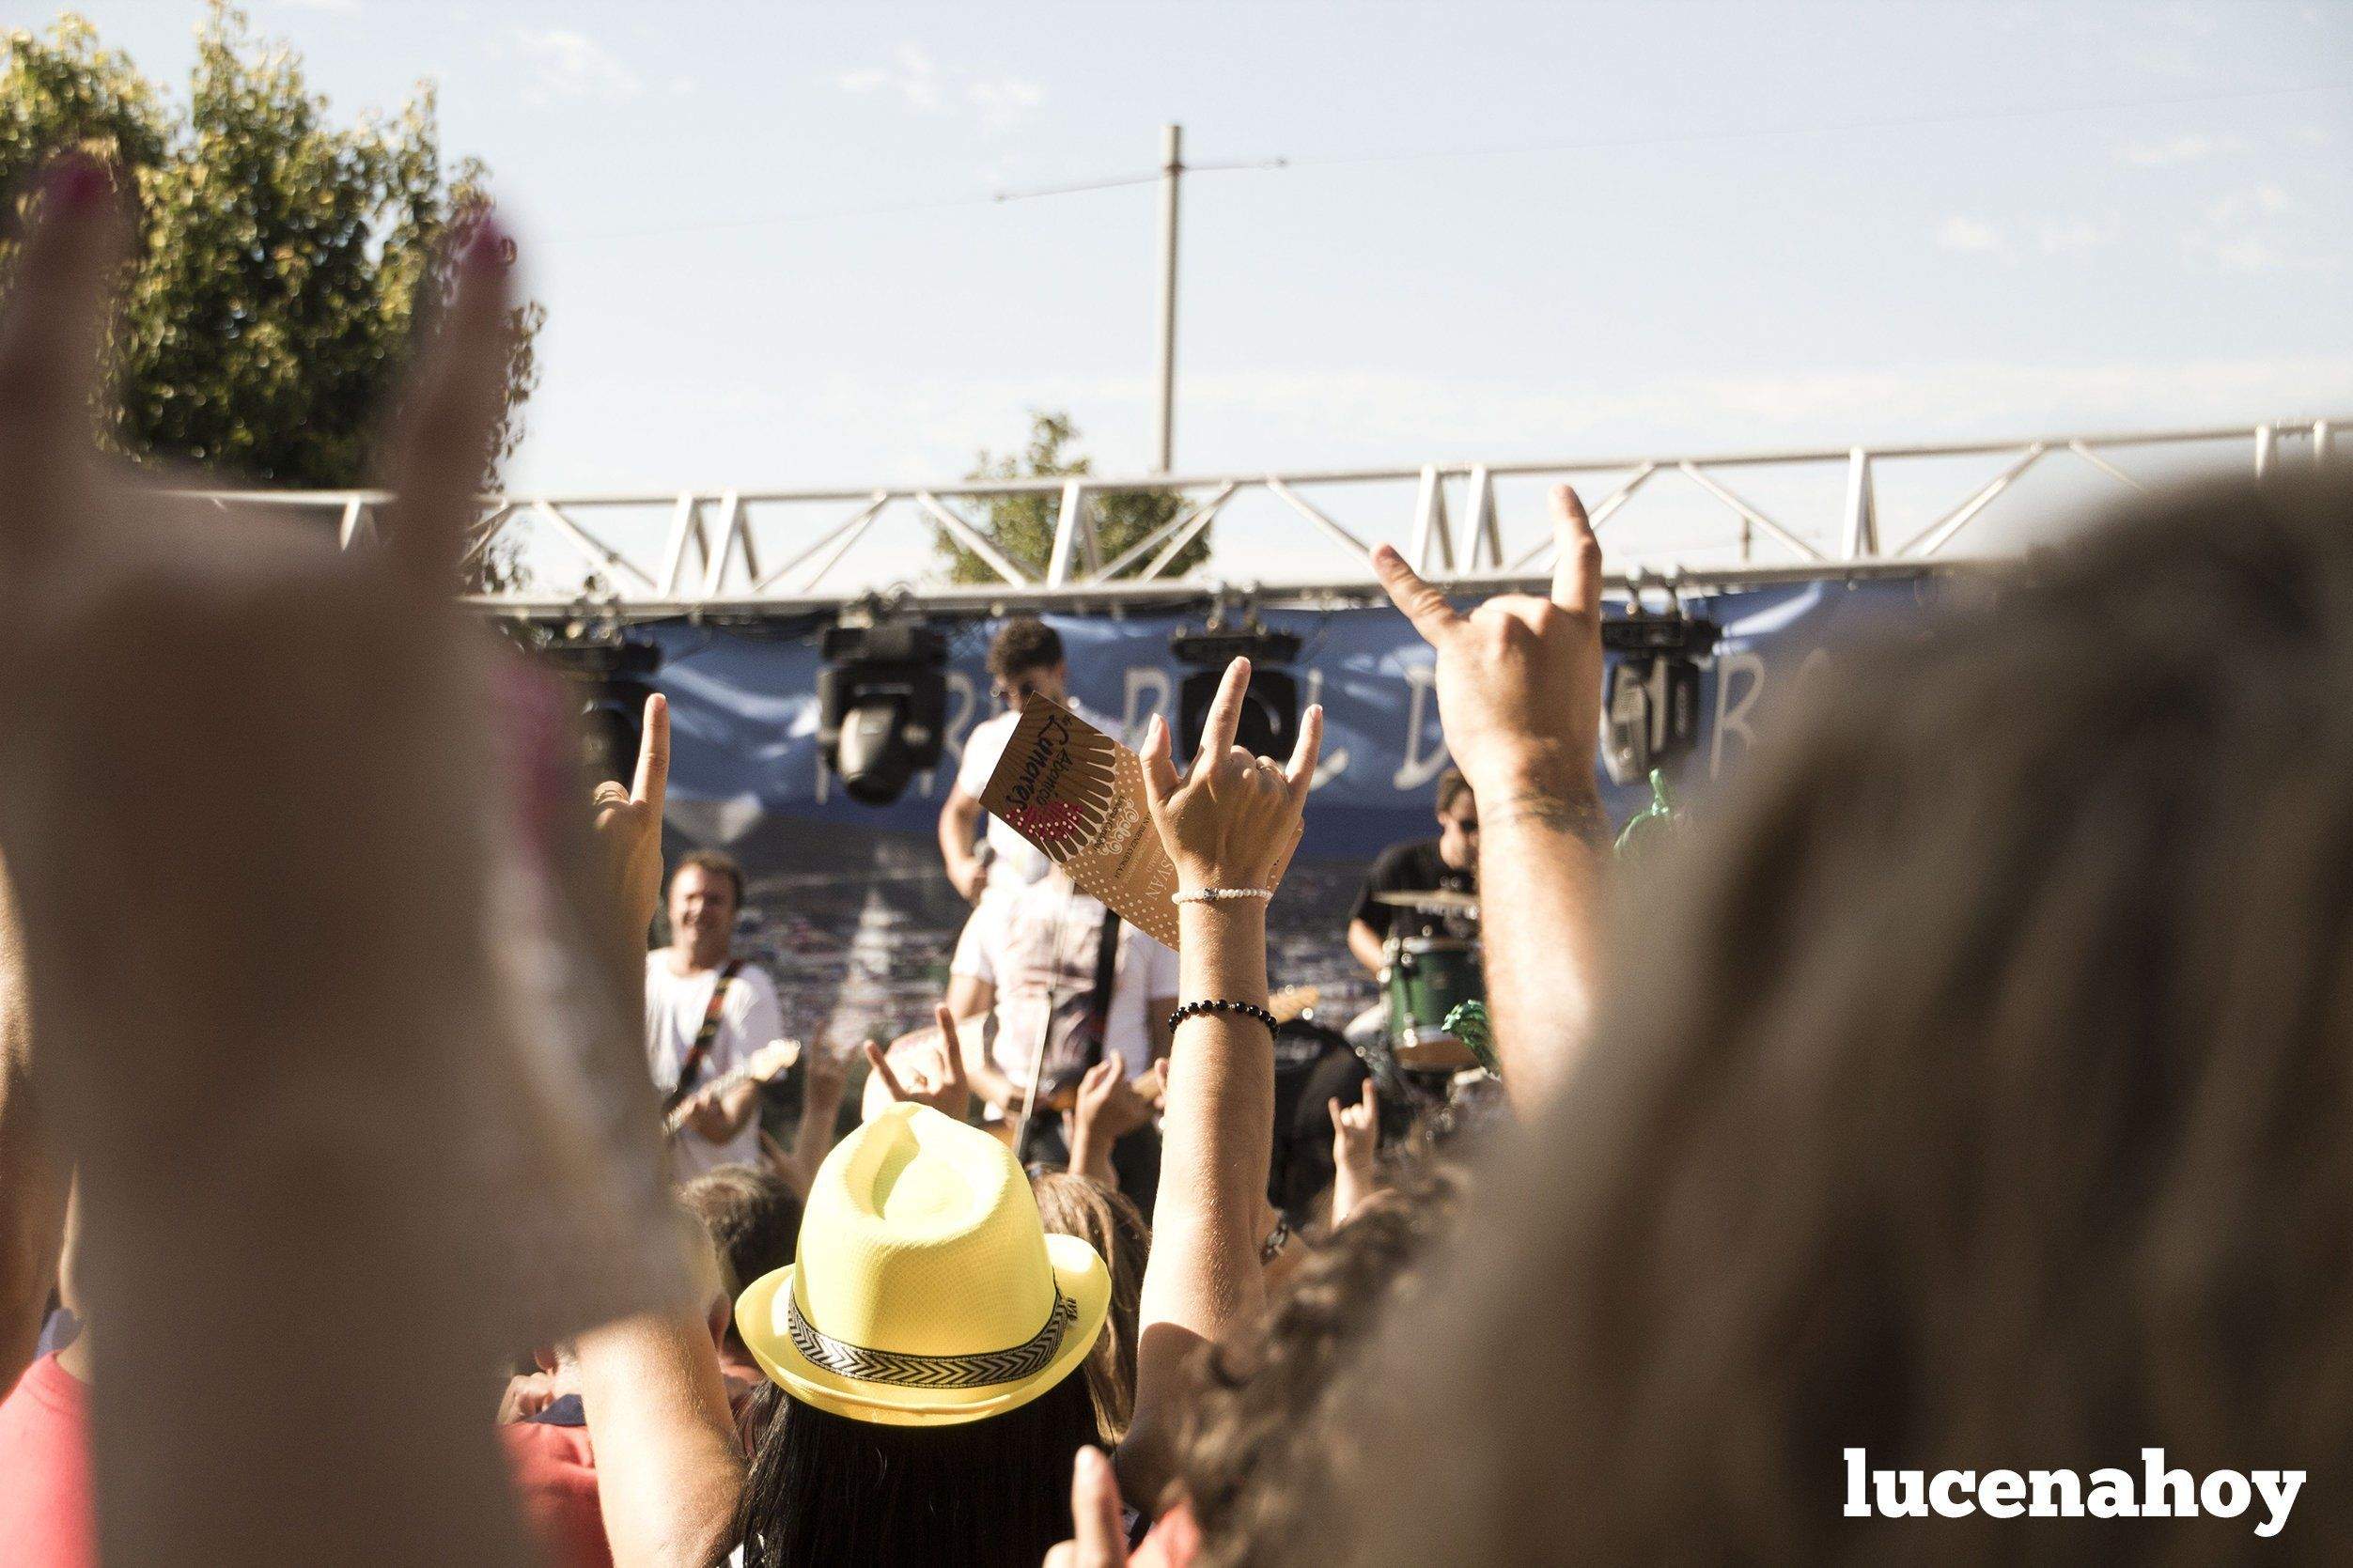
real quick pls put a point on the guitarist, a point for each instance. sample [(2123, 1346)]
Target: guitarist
[(1065, 976), (706, 1011)]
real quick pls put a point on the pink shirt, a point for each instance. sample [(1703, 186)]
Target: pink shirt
[(48, 1511)]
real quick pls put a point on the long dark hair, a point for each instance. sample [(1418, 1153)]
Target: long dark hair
[(825, 1489)]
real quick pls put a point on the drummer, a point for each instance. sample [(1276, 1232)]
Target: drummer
[(1447, 863)]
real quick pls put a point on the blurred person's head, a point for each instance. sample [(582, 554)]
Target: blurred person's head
[(1457, 822), (1024, 661), (924, 1353), (1972, 1091), (1106, 1219), (1259, 1458), (753, 1216), (705, 895)]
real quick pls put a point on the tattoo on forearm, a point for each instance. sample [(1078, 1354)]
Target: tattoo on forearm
[(1564, 812)]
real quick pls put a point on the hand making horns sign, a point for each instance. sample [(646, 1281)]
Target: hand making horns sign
[(1519, 677), (1231, 820)]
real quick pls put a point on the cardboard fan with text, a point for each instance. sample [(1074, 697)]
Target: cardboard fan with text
[(1078, 795)]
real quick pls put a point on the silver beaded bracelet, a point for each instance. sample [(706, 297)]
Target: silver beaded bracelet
[(1218, 895)]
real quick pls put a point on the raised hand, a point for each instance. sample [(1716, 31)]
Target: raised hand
[(628, 823), (261, 766), (1519, 677), (933, 1077), (1105, 1109), (1519, 694), (1231, 818), (1355, 1145), (825, 1072), (1356, 1131), (705, 1116), (207, 701), (1107, 1104)]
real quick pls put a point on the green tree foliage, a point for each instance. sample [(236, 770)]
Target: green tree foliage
[(1023, 526), (281, 258)]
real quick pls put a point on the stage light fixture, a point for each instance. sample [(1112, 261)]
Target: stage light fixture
[(612, 675), (1650, 710), (1269, 717), (883, 704)]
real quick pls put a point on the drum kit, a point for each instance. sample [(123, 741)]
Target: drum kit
[(1415, 1054)]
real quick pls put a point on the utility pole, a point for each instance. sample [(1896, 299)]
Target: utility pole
[(1172, 170)]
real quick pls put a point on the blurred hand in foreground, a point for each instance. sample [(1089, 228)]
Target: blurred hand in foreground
[(216, 711), (1099, 1538)]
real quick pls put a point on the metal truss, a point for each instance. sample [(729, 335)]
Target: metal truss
[(711, 563)]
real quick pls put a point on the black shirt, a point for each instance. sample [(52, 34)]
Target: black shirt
[(1410, 868)]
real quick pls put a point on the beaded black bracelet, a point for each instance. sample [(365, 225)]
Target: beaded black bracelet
[(1215, 1004)]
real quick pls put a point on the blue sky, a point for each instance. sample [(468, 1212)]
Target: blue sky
[(688, 181)]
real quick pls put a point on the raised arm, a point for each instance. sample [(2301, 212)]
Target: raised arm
[(824, 1077), (257, 764), (669, 1467), (1107, 1108), (960, 823), (1228, 823), (1520, 696)]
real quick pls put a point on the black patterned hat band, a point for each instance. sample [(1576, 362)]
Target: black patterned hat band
[(908, 1370)]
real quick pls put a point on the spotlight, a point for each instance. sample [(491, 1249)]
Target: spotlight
[(612, 676), (883, 704), (1270, 720), (1650, 713)]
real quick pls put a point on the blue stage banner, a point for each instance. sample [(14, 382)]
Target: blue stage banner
[(854, 911)]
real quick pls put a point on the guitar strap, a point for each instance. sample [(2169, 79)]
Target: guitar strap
[(1098, 1004), (695, 1053)]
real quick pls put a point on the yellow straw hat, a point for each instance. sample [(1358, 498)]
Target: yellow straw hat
[(925, 1291)]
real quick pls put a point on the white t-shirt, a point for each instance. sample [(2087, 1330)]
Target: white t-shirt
[(1014, 862), (748, 1020), (1038, 946)]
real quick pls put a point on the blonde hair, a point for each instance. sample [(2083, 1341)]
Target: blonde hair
[(1103, 1218)]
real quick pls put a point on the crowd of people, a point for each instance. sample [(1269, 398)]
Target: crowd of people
[(1962, 1086)]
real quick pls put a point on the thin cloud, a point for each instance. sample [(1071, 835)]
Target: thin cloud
[(2191, 147), (2241, 206), (914, 80), (1959, 233), (1004, 103), (569, 65), (924, 86), (2243, 232), (2075, 238)]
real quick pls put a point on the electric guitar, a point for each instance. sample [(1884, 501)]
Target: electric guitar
[(772, 1061)]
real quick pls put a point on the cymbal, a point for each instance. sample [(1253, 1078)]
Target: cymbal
[(1432, 900), (1433, 1053), (1292, 1000)]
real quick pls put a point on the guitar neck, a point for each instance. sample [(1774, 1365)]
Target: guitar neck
[(760, 1067)]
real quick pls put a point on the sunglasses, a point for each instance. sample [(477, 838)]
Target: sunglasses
[(1021, 691)]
